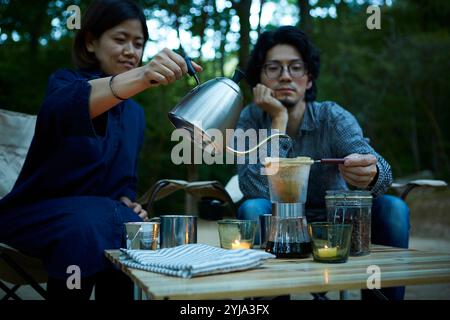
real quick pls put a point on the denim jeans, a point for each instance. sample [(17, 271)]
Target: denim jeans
[(390, 227)]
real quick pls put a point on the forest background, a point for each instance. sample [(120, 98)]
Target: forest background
[(394, 79)]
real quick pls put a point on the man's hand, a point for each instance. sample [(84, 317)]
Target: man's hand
[(137, 208), (359, 169), (264, 98)]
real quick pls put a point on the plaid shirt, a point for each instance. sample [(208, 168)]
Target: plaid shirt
[(327, 131)]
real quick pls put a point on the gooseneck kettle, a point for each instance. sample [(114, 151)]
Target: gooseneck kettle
[(215, 104)]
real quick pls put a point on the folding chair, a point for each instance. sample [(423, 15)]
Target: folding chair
[(199, 189), (19, 269), (403, 189), (16, 132)]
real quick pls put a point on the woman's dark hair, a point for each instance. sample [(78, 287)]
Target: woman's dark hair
[(285, 35), (100, 16)]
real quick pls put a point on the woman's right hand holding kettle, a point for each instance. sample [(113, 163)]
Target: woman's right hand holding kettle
[(166, 67)]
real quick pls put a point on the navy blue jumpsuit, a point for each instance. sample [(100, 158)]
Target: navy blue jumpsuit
[(64, 207)]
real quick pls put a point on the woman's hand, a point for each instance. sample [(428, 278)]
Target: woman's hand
[(359, 169), (137, 208), (166, 67)]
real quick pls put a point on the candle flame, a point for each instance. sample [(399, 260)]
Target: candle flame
[(240, 245)]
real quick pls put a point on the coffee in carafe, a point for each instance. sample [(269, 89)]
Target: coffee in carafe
[(289, 238)]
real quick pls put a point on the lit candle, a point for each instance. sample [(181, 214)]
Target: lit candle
[(327, 252), (240, 245)]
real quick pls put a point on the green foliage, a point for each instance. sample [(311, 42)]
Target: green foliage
[(395, 80)]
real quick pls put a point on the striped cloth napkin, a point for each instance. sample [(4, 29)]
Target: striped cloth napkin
[(191, 260)]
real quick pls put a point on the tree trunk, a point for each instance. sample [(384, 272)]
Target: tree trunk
[(222, 55), (261, 3), (36, 31), (305, 17), (414, 138), (223, 39), (204, 20), (176, 12), (190, 205), (415, 143), (243, 11), (440, 158)]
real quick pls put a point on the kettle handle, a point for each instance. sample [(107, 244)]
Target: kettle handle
[(191, 71), (238, 76)]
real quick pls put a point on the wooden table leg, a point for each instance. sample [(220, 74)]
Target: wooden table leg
[(137, 292), (343, 295)]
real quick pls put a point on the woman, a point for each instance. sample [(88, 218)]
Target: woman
[(78, 183)]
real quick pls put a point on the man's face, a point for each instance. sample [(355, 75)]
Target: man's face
[(120, 48), (290, 86)]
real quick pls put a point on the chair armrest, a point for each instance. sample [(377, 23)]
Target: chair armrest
[(405, 188), (233, 189)]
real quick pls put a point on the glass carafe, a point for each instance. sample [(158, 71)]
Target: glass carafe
[(289, 237)]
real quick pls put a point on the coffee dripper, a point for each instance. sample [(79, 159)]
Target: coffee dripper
[(288, 186)]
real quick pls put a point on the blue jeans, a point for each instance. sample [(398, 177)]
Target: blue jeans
[(390, 227)]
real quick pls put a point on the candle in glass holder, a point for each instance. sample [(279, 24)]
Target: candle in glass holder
[(327, 252), (237, 234), (331, 242), (240, 245)]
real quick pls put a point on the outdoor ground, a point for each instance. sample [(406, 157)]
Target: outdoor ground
[(430, 230)]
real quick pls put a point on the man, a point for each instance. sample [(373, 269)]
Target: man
[(282, 71)]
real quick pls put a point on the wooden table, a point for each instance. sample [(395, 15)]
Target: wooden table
[(292, 276)]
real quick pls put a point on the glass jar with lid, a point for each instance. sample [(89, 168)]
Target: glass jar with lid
[(355, 207)]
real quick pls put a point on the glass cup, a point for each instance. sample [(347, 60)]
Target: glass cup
[(330, 241), (149, 239), (132, 229), (264, 229), (237, 234), (142, 235)]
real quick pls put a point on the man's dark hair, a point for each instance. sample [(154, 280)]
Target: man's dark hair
[(100, 16), (285, 35)]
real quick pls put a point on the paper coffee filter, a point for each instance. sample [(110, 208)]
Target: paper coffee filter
[(288, 161), (290, 181)]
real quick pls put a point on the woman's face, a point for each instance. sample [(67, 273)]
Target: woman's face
[(120, 48)]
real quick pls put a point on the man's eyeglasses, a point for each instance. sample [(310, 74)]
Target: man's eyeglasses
[(274, 70)]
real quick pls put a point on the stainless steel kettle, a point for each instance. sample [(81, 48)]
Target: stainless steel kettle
[(215, 104)]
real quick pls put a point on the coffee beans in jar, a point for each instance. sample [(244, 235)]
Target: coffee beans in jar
[(353, 207)]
